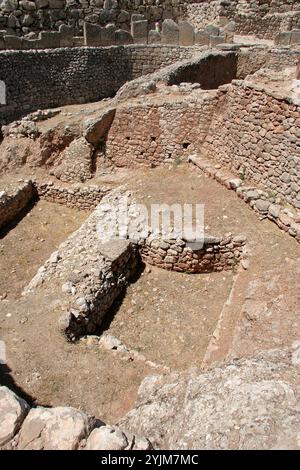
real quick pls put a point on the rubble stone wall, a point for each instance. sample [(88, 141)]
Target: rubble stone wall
[(22, 16), (85, 198), (217, 254), (151, 134), (57, 77), (257, 135), (260, 18)]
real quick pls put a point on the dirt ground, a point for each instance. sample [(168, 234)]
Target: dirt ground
[(26, 246), (168, 317)]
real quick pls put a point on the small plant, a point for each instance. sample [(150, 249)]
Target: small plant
[(177, 161), (242, 174)]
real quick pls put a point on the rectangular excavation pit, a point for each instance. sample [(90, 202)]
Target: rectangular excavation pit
[(25, 245)]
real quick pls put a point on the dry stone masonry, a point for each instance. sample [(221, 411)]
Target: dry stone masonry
[(150, 84)]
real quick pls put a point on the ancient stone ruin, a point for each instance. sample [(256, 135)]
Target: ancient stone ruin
[(150, 225)]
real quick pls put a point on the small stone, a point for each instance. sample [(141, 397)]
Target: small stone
[(274, 210), (262, 206), (245, 264)]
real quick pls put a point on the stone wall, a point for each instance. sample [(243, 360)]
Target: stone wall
[(50, 78), (217, 254), (250, 60), (150, 134), (260, 18), (148, 59), (13, 199), (22, 16), (257, 135), (60, 76), (83, 198)]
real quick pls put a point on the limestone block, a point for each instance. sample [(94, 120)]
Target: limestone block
[(295, 36), (106, 438), (108, 35), (283, 38), (123, 37), (56, 4), (215, 40), (78, 41), (95, 129), (123, 17), (13, 411), (27, 6), (9, 5), (154, 37), (186, 34), (137, 17), (202, 38), (110, 4), (59, 428), (66, 35), (41, 3), (12, 42), (139, 31), (91, 34), (170, 32), (212, 30), (49, 39)]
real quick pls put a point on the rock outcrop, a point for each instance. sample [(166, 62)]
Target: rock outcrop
[(247, 404)]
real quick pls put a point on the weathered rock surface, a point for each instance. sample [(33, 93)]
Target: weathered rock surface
[(54, 429), (247, 404), (12, 413), (95, 129), (106, 438)]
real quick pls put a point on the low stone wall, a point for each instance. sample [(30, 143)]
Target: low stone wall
[(84, 198), (263, 203), (252, 59), (61, 428), (88, 274), (217, 254), (13, 199)]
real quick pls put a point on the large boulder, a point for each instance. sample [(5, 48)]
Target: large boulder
[(247, 404), (13, 411), (54, 429), (95, 129)]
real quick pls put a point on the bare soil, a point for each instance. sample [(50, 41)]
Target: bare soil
[(27, 243)]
